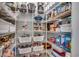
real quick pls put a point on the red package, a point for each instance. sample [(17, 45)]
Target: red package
[(60, 53)]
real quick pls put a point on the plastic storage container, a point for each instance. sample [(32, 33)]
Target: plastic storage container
[(65, 28), (38, 48), (24, 50), (24, 39), (38, 38)]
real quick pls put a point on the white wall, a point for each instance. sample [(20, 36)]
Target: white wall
[(75, 29)]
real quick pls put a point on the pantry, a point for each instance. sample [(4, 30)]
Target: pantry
[(35, 29)]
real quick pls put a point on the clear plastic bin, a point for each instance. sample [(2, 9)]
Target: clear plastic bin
[(24, 39), (24, 50), (38, 48), (38, 38)]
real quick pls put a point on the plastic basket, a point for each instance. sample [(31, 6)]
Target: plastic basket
[(24, 50), (38, 48), (24, 39), (65, 28), (38, 38)]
